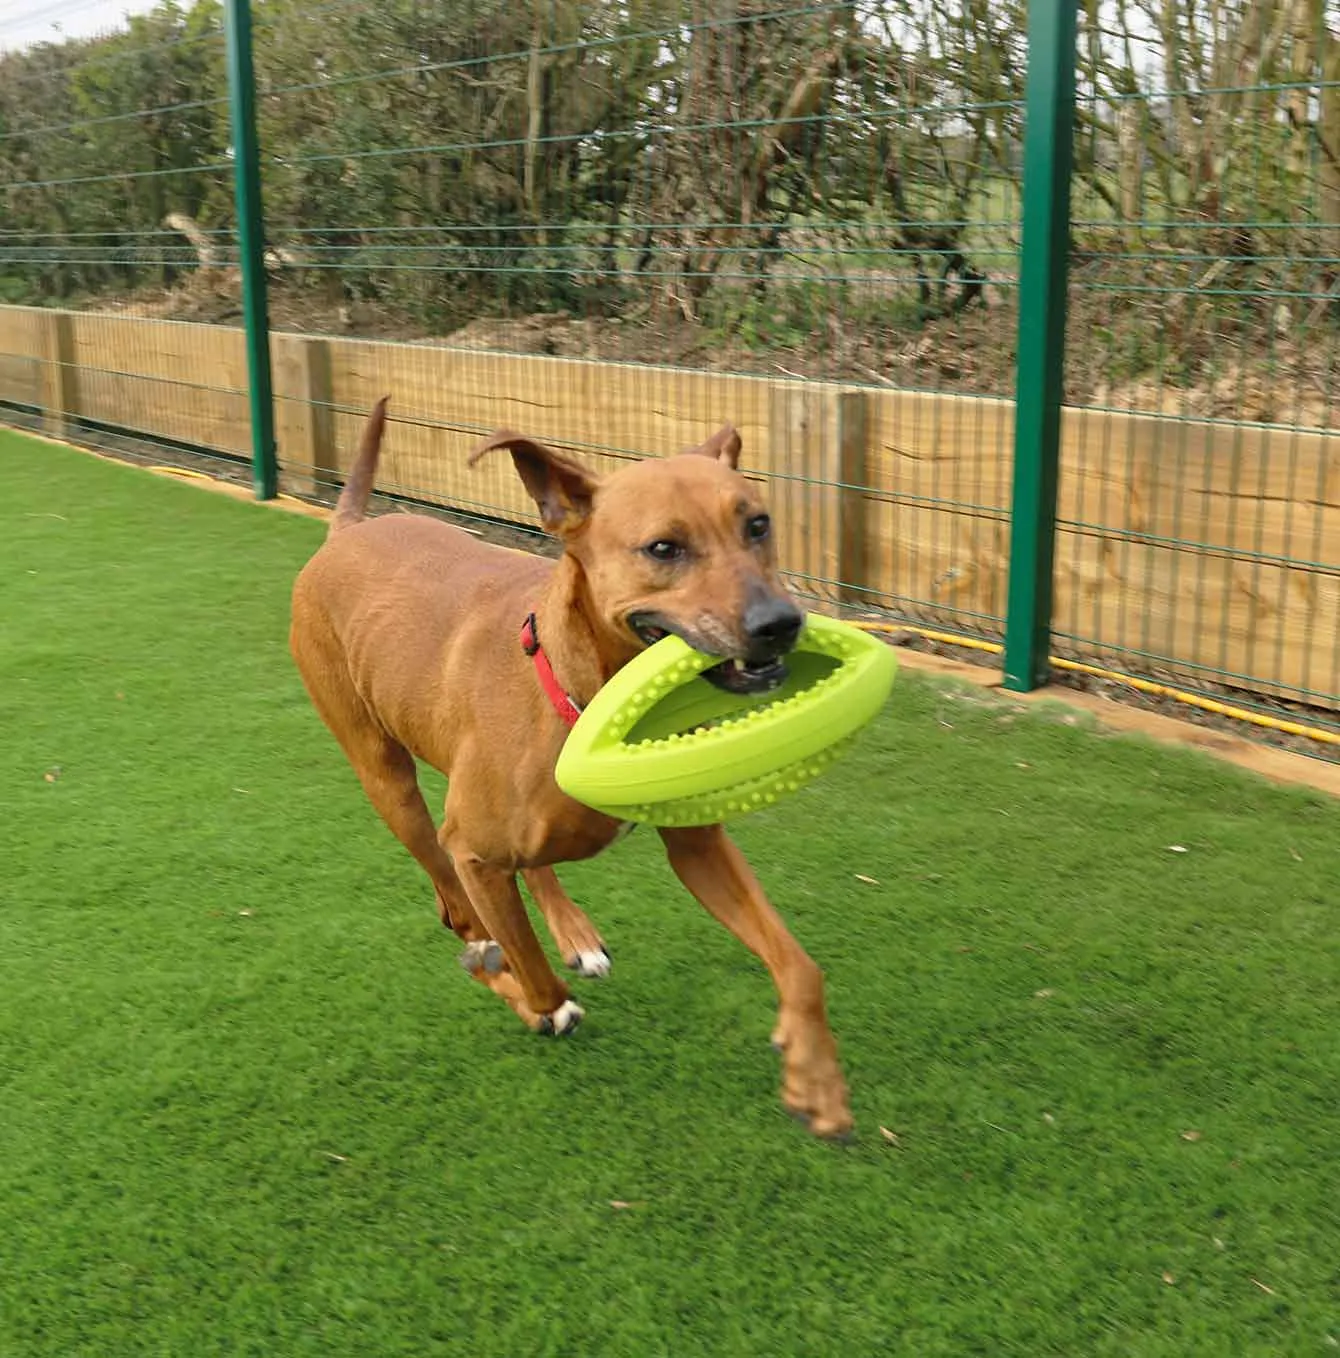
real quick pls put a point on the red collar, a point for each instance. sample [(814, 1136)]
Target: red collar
[(553, 690)]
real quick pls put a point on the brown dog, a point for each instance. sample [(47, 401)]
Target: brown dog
[(409, 637)]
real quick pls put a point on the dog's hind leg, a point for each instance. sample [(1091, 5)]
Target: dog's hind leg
[(580, 945), (386, 770)]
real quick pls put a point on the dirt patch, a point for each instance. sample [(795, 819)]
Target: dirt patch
[(1123, 352), (1149, 330), (972, 352)]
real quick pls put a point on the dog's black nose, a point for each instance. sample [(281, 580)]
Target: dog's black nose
[(771, 626)]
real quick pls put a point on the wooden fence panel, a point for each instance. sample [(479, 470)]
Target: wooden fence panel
[(1209, 548), (1215, 544), (167, 378), (446, 400), (939, 471), (22, 355)]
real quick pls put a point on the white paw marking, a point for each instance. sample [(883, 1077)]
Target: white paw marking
[(566, 1017), (482, 955), (592, 963)]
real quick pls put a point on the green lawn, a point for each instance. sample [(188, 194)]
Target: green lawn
[(250, 1105)]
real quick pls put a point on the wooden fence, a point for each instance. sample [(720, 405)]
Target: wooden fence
[(1206, 549)]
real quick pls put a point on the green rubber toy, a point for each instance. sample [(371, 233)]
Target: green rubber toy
[(662, 746)]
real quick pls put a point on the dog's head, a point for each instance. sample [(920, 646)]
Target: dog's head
[(680, 545)]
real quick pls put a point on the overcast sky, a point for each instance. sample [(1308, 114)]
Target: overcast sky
[(28, 21)]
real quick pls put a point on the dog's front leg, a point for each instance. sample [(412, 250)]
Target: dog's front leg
[(715, 871), (581, 946), (527, 981)]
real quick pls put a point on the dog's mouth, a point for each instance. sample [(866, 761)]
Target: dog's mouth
[(734, 675), (737, 677)]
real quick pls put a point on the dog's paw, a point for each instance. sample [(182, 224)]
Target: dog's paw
[(563, 1020), (594, 964), (483, 955), (837, 1129)]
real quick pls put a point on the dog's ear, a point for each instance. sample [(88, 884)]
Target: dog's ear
[(723, 446), (563, 489)]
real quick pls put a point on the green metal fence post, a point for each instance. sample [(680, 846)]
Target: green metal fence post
[(1048, 153), (251, 240)]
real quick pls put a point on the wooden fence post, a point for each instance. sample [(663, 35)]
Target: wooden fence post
[(818, 438), (853, 445), (306, 415), (60, 376)]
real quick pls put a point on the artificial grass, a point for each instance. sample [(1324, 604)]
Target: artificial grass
[(250, 1105)]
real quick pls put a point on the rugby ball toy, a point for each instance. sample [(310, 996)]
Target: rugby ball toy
[(660, 745)]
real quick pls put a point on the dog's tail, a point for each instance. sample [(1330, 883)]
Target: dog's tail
[(353, 501)]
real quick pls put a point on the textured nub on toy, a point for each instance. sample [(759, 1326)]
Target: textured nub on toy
[(661, 745)]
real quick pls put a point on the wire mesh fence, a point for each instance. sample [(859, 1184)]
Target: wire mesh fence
[(109, 144), (1200, 514), (615, 225)]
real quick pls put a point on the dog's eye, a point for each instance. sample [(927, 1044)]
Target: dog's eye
[(758, 528), (665, 549)]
